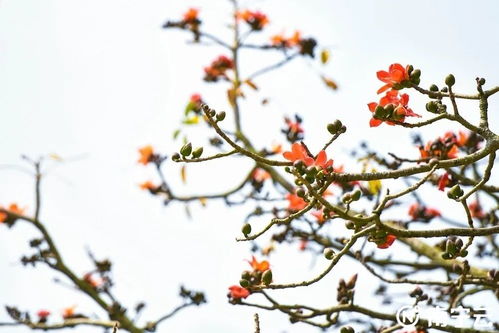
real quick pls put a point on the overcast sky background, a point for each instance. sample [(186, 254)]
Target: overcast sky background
[(94, 80)]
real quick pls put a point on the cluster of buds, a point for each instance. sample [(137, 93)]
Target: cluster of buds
[(346, 290), (418, 294), (306, 46), (186, 151), (382, 239), (190, 21), (293, 131), (261, 274), (255, 19), (392, 109), (398, 77), (218, 69), (453, 248), (423, 213), (336, 127), (196, 297)]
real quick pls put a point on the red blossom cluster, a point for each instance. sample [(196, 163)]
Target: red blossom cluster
[(299, 153), (420, 212), (293, 131), (218, 69), (387, 241), (256, 19), (8, 219), (260, 273), (392, 108), (306, 46), (444, 147)]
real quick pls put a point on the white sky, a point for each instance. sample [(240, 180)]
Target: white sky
[(97, 79)]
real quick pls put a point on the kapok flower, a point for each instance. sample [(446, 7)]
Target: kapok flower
[(191, 16), (393, 108), (295, 203), (420, 212), (68, 312), (444, 147), (237, 292), (256, 19), (476, 210), (260, 266), (286, 42), (218, 68), (12, 208), (322, 161), (259, 175), (396, 75), (148, 185), (93, 281), (43, 315), (389, 239), (298, 153), (319, 215), (146, 154), (443, 181)]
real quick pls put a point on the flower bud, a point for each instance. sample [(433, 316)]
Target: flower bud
[(300, 192), (389, 108), (244, 283), (334, 127), (246, 275), (212, 113), (267, 277), (352, 281), (380, 112), (350, 225), (356, 195), (328, 253), (198, 152), (346, 198), (410, 68), (433, 87), (481, 81), (221, 116), (176, 157), (347, 329), (450, 80), (432, 107), (444, 89), (186, 149), (246, 229), (455, 192), (415, 74)]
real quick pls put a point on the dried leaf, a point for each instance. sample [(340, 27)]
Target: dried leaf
[(203, 201), (330, 83), (325, 56), (251, 84), (183, 174), (231, 96)]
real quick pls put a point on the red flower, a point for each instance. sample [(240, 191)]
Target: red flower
[(260, 175), (319, 215), (293, 126), (261, 266), (13, 208), (43, 314), (322, 161), (218, 68), (148, 185), (444, 147), (68, 312), (419, 212), (476, 210), (91, 280), (283, 42), (146, 154), (388, 242), (256, 19), (398, 112), (298, 153), (443, 181), (303, 245), (295, 202), (396, 74), (237, 292), (191, 16)]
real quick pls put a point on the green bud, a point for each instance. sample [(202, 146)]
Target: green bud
[(450, 80), (455, 192), (410, 68), (444, 89), (356, 195), (186, 149), (346, 198), (212, 113), (347, 329), (389, 108), (433, 87), (432, 107), (328, 253), (481, 81), (221, 116), (310, 178), (415, 74), (246, 229), (416, 80), (380, 112), (300, 192), (287, 169), (463, 253), (246, 275), (350, 225), (334, 127), (198, 152), (446, 256), (176, 157), (267, 277), (244, 283)]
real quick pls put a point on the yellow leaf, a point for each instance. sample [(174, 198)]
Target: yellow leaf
[(191, 121), (374, 185), (251, 84), (325, 56), (330, 83), (231, 96), (183, 175)]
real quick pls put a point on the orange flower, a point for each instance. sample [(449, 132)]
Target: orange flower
[(319, 215), (261, 266), (398, 113), (191, 15), (146, 154), (13, 208), (443, 181), (295, 202), (43, 314), (293, 126), (218, 68), (256, 19), (388, 241), (260, 175), (298, 153), (419, 212), (281, 41), (68, 312), (303, 245), (322, 161), (91, 280), (148, 185), (396, 74), (277, 148), (444, 147), (237, 292)]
